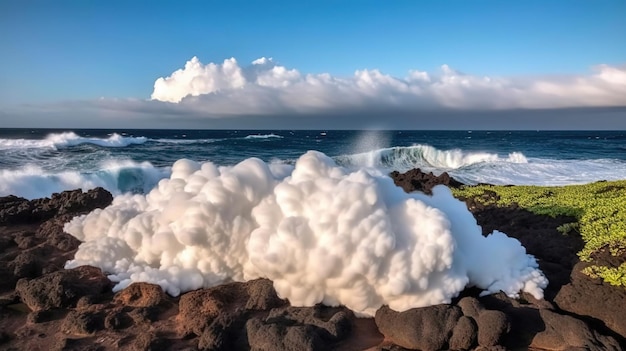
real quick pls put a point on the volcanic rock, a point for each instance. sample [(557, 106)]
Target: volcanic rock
[(416, 180), (464, 334), (141, 295), (586, 296), (198, 309), (492, 327), (426, 328), (564, 332), (280, 337), (16, 210), (82, 322), (62, 288)]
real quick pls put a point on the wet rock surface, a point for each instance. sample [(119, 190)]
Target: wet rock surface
[(46, 307)]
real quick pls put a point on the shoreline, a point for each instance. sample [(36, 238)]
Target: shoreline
[(121, 318)]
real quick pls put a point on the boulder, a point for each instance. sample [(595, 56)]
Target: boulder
[(279, 337), (82, 323), (141, 295), (426, 328), (564, 332), (198, 309), (492, 327), (586, 296), (17, 210), (62, 288), (464, 334)]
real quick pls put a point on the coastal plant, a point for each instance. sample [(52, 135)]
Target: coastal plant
[(599, 209)]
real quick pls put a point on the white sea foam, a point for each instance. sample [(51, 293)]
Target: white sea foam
[(68, 139), (320, 232), (263, 136), (186, 141)]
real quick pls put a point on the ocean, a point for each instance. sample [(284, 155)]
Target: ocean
[(38, 162)]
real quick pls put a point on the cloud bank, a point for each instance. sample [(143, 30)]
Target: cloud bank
[(265, 87), (321, 233)]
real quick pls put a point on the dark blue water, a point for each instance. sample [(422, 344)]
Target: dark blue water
[(38, 162)]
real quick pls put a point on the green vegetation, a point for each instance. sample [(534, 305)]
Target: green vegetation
[(600, 209)]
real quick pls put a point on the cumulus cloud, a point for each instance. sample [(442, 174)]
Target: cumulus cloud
[(320, 232), (265, 87)]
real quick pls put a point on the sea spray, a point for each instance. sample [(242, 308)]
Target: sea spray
[(320, 232)]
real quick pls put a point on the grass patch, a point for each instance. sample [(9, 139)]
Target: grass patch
[(600, 210)]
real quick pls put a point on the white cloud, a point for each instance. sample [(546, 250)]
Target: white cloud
[(265, 87)]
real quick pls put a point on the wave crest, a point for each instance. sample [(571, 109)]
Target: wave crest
[(263, 136), (425, 156), (31, 181), (69, 139)]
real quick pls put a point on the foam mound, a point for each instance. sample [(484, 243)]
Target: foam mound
[(320, 232)]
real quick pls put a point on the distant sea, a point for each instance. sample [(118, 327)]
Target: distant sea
[(39, 162)]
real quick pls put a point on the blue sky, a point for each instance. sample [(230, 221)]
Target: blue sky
[(81, 50)]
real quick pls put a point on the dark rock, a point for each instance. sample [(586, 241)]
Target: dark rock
[(470, 306), (51, 231), (594, 298), (36, 317), (15, 210), (427, 328), (464, 334), (293, 328), (26, 265), (198, 309), (273, 336), (141, 295), (62, 288), (492, 327), (86, 301), (25, 240), (222, 334), (333, 323), (82, 323), (564, 332), (4, 337), (117, 320), (494, 348), (144, 315), (416, 180), (150, 342), (7, 278), (261, 295), (6, 242)]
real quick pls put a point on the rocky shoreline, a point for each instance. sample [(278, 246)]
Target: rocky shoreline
[(46, 307)]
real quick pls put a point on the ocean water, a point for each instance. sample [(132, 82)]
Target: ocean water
[(39, 162)]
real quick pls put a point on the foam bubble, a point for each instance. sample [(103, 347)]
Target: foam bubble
[(320, 232)]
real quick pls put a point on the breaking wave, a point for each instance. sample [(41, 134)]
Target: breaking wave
[(32, 181), (263, 136), (404, 158), (69, 139)]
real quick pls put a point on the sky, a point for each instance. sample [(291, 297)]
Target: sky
[(481, 64)]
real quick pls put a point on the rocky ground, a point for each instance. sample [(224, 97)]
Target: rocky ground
[(45, 307)]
